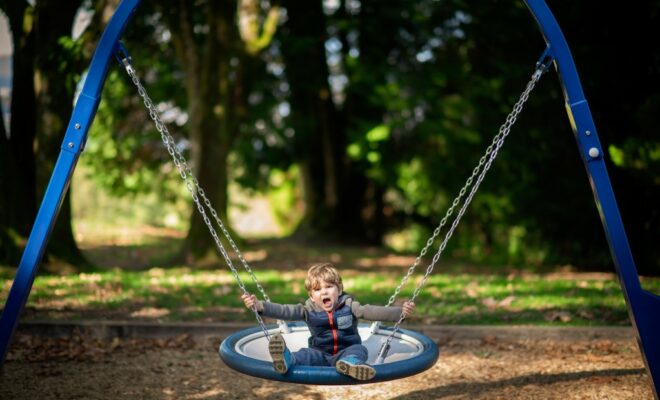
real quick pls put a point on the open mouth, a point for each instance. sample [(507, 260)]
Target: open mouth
[(327, 302)]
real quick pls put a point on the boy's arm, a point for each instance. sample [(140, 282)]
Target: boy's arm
[(286, 312), (376, 313)]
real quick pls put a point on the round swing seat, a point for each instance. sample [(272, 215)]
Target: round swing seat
[(247, 351)]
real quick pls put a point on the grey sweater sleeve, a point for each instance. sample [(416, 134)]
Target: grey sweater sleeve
[(286, 312), (376, 313)]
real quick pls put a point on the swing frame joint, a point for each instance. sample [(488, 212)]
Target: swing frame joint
[(123, 57), (545, 60)]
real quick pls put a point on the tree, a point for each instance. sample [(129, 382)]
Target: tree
[(8, 247), (338, 202), (216, 64), (19, 174), (57, 68), (44, 71), (427, 85)]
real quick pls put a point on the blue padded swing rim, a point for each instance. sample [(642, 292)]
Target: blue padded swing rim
[(326, 375)]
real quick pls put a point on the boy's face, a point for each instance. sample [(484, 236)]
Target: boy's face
[(326, 296)]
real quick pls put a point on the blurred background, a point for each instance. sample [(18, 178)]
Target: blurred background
[(334, 122)]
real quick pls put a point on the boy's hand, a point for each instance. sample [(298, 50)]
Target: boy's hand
[(250, 300), (408, 308)]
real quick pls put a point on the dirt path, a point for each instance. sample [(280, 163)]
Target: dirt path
[(184, 367)]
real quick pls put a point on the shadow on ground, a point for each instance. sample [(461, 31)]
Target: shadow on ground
[(476, 388)]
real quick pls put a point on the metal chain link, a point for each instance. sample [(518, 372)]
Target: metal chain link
[(491, 154), (192, 184)]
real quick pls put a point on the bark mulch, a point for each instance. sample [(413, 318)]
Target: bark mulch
[(486, 366)]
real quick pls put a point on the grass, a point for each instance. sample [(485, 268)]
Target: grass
[(185, 294), (137, 279)]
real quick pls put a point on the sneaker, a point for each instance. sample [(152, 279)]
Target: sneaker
[(279, 353), (352, 367)]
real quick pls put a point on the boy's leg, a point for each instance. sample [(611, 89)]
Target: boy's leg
[(311, 357), (351, 362), (282, 358)]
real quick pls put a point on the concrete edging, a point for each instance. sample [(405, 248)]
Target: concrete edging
[(144, 329)]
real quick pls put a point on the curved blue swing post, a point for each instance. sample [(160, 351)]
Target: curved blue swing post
[(73, 144), (643, 307)]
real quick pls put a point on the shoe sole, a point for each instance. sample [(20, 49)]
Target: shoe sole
[(276, 348), (361, 372)]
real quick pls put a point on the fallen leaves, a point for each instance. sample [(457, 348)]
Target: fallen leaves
[(488, 367), (489, 340), (605, 347), (150, 312), (472, 289), (493, 304), (86, 349), (563, 316)]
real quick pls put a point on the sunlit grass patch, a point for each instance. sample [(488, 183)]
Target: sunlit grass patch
[(183, 293)]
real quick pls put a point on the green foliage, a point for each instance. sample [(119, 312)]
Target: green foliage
[(447, 86), (410, 239), (418, 192), (284, 195), (127, 169), (115, 184), (96, 208), (426, 85), (637, 154), (70, 57), (429, 85)]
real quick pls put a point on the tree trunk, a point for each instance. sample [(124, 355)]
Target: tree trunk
[(333, 191), (56, 69), (375, 45), (207, 68), (217, 90), (41, 106), (18, 170), (9, 251), (21, 177)]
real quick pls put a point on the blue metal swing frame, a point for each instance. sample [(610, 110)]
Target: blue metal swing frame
[(642, 305)]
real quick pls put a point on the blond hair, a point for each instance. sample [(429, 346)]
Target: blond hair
[(322, 273)]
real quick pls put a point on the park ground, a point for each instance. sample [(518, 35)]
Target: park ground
[(71, 346), (474, 363)]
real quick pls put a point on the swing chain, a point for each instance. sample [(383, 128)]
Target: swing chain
[(491, 154), (186, 173), (192, 184)]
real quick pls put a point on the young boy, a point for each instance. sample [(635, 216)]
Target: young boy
[(332, 318)]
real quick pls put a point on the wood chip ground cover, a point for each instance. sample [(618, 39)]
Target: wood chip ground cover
[(184, 367)]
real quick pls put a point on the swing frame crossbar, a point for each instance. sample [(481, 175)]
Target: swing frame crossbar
[(642, 305)]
